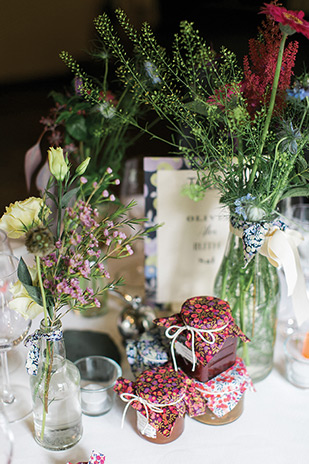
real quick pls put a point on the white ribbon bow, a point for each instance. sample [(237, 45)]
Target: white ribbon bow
[(154, 407), (193, 331)]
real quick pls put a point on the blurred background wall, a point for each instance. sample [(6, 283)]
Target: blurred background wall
[(33, 32)]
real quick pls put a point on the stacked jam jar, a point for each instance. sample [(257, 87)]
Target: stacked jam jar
[(205, 379)]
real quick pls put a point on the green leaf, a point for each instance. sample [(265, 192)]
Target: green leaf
[(76, 127), (296, 192), (198, 107), (305, 174), (23, 273), (51, 196), (68, 196), (34, 293)]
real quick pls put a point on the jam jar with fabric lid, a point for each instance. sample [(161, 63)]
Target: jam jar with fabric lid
[(159, 397), (149, 351), (203, 337), (224, 395)]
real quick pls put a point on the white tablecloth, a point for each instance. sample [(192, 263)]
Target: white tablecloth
[(272, 429)]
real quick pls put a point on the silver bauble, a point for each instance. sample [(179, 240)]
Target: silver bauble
[(135, 318)]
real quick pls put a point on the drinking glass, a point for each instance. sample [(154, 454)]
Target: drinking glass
[(5, 246), (6, 438), (13, 329), (297, 218)]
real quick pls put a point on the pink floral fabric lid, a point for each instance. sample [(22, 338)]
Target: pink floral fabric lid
[(162, 395), (95, 458), (223, 392), (206, 322)]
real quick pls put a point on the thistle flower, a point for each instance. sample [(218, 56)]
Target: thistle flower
[(291, 137), (39, 241)]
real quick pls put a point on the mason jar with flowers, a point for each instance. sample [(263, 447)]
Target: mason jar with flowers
[(245, 130), (69, 243)]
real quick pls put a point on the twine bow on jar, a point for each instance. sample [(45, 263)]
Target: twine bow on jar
[(129, 398), (193, 331)]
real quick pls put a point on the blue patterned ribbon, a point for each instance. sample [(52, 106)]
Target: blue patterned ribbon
[(253, 234), (32, 341)]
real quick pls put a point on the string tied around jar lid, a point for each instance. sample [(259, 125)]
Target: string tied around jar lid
[(129, 398), (194, 331)]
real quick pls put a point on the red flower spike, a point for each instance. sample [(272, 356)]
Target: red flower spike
[(293, 19), (260, 65)]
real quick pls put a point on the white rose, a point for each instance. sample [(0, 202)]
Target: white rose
[(21, 216), (21, 301)]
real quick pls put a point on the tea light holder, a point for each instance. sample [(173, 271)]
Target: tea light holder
[(297, 365), (98, 377)]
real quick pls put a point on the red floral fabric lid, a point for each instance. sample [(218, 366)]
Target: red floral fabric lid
[(205, 320), (162, 395)]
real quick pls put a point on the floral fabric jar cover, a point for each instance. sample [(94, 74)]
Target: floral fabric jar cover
[(206, 322), (162, 395), (223, 392)]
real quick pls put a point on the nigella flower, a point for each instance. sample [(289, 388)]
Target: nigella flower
[(152, 72), (298, 92), (291, 136), (242, 204), (107, 110)]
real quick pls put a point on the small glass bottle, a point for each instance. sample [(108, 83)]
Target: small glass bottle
[(55, 391)]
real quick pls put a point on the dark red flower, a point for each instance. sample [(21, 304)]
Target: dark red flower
[(293, 19), (260, 65)]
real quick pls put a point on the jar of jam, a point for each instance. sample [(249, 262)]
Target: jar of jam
[(225, 395), (149, 351), (159, 397), (203, 337)]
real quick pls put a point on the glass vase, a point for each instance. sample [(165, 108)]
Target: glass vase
[(56, 394), (253, 293)]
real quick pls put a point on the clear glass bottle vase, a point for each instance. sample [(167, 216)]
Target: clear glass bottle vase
[(253, 293), (56, 395)]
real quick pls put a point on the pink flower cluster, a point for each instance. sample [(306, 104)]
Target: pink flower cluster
[(78, 256)]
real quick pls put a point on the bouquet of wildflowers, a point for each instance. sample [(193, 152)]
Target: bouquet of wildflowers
[(244, 129), (71, 244)]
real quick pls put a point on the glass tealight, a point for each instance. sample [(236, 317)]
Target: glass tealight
[(297, 365), (98, 377)]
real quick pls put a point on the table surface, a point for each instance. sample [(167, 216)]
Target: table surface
[(272, 429)]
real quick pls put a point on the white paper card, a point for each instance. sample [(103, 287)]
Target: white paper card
[(145, 428), (184, 351), (191, 243)]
